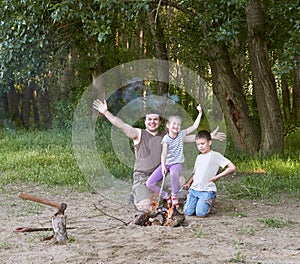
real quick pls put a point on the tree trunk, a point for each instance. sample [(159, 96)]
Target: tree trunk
[(35, 109), (296, 94), (160, 47), (13, 104), (271, 122), (99, 83), (45, 108), (233, 103), (286, 105), (27, 95), (4, 113)]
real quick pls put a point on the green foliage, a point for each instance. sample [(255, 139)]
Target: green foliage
[(107, 153), (292, 141), (224, 21), (71, 239), (68, 39), (287, 52), (25, 42), (63, 114)]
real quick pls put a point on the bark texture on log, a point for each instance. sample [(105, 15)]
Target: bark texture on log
[(59, 223)]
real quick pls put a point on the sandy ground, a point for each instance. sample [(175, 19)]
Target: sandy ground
[(235, 232)]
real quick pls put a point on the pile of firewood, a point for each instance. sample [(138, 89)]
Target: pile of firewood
[(162, 216)]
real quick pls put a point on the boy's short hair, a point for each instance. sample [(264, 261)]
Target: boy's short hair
[(203, 134)]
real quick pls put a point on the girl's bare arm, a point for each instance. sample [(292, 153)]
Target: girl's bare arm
[(196, 123)]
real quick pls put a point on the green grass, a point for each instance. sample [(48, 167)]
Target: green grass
[(238, 258), (266, 178), (275, 222), (198, 233), (248, 230), (5, 245), (46, 157)]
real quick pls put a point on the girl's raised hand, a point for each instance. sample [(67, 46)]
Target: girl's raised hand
[(199, 108)]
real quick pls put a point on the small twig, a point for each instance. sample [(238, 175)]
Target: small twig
[(156, 15), (116, 218)]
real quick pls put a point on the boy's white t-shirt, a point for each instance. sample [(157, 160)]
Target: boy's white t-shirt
[(206, 167)]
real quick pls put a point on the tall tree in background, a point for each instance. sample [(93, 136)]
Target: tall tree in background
[(215, 47), (296, 93), (158, 39), (271, 122), (25, 57), (221, 23), (75, 41)]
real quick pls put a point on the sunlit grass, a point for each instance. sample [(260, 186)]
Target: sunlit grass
[(47, 157), (44, 157), (266, 178)]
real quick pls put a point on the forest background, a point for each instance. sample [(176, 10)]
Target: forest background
[(246, 51)]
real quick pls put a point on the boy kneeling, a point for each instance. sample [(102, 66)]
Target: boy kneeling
[(202, 187)]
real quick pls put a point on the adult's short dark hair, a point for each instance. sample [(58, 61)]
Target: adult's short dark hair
[(203, 134), (153, 112)]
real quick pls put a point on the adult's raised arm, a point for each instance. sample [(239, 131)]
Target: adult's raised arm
[(214, 135), (127, 129), (218, 135)]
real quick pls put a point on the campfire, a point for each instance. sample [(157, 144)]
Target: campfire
[(161, 215)]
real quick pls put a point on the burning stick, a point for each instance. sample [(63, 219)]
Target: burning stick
[(176, 218), (164, 217)]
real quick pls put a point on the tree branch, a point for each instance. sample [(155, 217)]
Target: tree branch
[(125, 223), (175, 5)]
